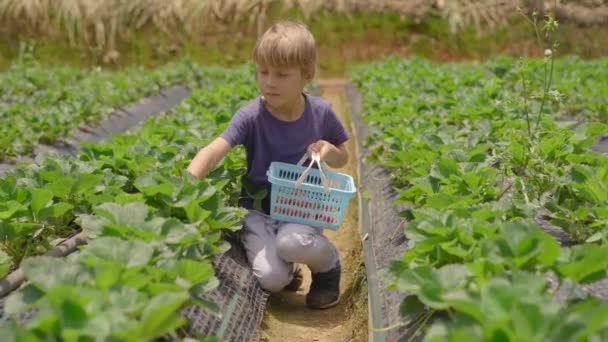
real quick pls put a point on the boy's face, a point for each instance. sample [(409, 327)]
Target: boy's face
[(281, 86)]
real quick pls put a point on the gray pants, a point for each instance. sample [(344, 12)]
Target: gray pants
[(274, 246)]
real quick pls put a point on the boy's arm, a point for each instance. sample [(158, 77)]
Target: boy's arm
[(208, 157)]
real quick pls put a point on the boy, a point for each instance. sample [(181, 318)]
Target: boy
[(283, 124)]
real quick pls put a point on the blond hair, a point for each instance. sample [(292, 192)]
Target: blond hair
[(286, 44)]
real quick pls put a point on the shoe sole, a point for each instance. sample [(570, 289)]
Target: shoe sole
[(326, 306)]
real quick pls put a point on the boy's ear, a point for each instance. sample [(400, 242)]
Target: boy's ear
[(309, 74)]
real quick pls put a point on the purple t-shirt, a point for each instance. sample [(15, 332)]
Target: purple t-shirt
[(267, 139)]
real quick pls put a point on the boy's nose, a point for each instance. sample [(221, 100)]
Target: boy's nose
[(271, 82)]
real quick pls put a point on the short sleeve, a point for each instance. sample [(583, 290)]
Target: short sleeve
[(335, 132), (238, 129)]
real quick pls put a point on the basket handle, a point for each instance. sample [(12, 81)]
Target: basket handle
[(315, 158)]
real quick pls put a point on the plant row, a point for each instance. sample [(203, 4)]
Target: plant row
[(153, 228), (478, 154), (41, 105)]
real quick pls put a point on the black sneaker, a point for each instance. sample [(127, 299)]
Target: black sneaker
[(325, 289), (296, 281)]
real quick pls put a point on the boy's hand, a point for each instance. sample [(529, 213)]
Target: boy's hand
[(322, 147), (332, 155)]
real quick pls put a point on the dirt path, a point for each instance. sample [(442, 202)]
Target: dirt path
[(287, 318)]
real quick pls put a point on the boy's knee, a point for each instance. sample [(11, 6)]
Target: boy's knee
[(292, 245), (273, 280)]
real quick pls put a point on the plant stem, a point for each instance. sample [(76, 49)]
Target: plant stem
[(502, 193), (526, 111), (426, 318), (390, 327), (548, 85)]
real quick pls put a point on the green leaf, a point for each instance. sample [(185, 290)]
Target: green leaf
[(440, 201), (131, 253), (550, 249), (131, 214), (448, 167), (125, 198), (9, 209), (453, 247), (193, 271), (152, 184), (55, 211), (595, 237), (195, 212), (581, 173), (40, 199), (411, 308), (16, 230), (161, 315), (464, 303), (73, 315), (584, 263), (107, 274), (595, 129), (64, 271), (5, 264), (526, 250), (18, 301), (86, 182), (62, 187)]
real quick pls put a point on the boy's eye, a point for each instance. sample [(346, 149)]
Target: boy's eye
[(282, 74)]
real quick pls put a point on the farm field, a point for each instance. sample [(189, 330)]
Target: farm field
[(477, 142), (455, 139)]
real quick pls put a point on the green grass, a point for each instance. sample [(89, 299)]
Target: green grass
[(343, 41)]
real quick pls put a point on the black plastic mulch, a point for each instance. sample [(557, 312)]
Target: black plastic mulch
[(120, 120)]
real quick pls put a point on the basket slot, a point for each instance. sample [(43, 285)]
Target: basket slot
[(310, 204)]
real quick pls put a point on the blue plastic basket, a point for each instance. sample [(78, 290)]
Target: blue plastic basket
[(308, 204)]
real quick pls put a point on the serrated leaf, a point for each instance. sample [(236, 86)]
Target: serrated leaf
[(130, 214), (64, 271), (131, 253)]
